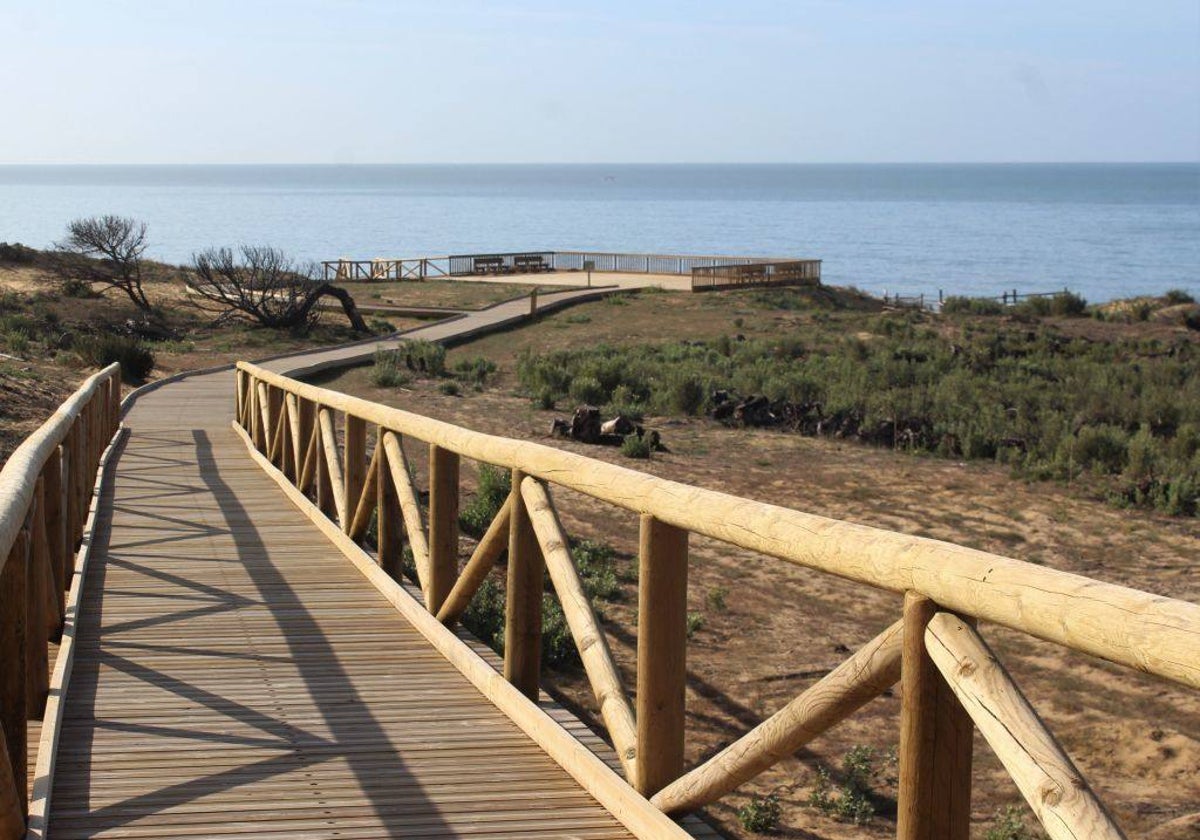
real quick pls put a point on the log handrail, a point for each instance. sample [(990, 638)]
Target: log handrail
[(45, 490), (947, 588), (1146, 632)]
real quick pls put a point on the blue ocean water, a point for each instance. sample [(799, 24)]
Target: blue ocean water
[(1103, 230)]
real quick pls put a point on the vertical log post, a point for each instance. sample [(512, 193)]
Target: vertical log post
[(354, 461), (935, 741), (443, 526), (523, 601), (324, 483), (74, 464), (661, 654), (14, 601), (389, 546), (308, 414), (37, 661), (56, 532)]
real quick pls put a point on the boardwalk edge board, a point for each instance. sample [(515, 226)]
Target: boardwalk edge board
[(52, 722), (625, 804)]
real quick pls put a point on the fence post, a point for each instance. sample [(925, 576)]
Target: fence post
[(14, 603), (56, 531), (354, 465), (523, 603), (388, 543), (37, 621), (935, 741), (443, 525), (661, 654)]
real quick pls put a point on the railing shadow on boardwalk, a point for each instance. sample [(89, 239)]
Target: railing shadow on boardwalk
[(347, 717)]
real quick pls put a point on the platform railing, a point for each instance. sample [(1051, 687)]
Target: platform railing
[(952, 680), (45, 490)]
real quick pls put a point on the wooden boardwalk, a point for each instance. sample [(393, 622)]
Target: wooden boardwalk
[(236, 676)]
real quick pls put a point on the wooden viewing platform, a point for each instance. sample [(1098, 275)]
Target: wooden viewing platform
[(236, 659)]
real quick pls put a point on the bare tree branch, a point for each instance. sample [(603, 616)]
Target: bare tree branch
[(115, 245), (263, 285)]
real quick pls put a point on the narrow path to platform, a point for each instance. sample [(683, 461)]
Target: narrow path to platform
[(236, 676)]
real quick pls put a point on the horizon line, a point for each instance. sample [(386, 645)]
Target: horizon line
[(619, 163)]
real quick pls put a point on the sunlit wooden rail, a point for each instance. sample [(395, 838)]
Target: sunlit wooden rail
[(315, 443), (45, 490)]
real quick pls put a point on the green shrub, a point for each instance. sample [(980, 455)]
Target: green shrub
[(389, 370), (381, 326), (852, 799), (102, 350), (635, 447), (1174, 297), (545, 400), (484, 617), (761, 814), (558, 645), (687, 393), (695, 622), (594, 560), (716, 598), (495, 484), (957, 305), (425, 357), (475, 370), (450, 389), (587, 389)]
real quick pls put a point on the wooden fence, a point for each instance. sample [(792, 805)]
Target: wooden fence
[(784, 273), (45, 488), (714, 271), (950, 676)]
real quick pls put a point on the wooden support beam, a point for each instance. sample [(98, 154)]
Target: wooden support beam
[(12, 817), (264, 418), (487, 552), (294, 459), (597, 658), (1056, 791), (70, 482), (443, 526), (662, 653), (523, 599), (280, 428), (37, 662), (324, 490), (312, 453), (333, 463), (367, 498), (14, 606), (54, 519), (935, 741), (389, 547), (410, 507), (354, 465), (874, 668)]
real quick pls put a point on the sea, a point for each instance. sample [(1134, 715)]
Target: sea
[(1104, 231)]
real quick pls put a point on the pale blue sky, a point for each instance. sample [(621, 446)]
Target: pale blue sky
[(306, 81)]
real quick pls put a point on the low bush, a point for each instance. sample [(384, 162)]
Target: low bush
[(427, 358), (851, 800), (389, 370), (635, 447), (761, 814), (558, 645), (1174, 297), (101, 350), (475, 370), (450, 389), (595, 562), (17, 254), (955, 305), (495, 484), (1009, 824), (484, 617)]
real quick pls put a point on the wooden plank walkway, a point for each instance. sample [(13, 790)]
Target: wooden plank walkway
[(236, 676)]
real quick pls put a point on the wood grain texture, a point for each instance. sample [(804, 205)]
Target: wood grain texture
[(589, 639), (1144, 631), (1045, 775), (235, 676)]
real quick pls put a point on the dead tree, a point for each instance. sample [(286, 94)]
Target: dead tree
[(265, 286), (105, 251)]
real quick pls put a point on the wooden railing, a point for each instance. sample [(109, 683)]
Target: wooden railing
[(950, 676), (778, 273), (416, 268), (707, 271), (45, 488)]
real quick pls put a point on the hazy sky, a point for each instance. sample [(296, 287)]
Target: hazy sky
[(308, 81)]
